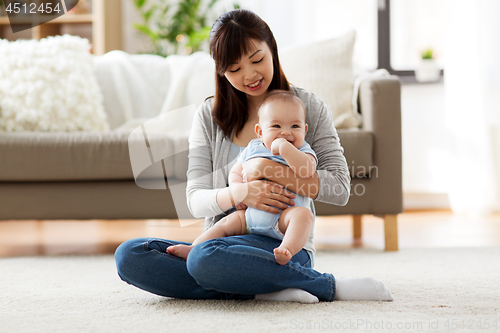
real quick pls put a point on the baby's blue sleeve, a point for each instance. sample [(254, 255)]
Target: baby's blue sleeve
[(243, 156), (306, 148)]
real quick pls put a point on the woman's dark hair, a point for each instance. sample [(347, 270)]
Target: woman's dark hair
[(230, 39)]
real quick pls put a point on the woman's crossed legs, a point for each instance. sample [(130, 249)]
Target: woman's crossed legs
[(238, 267)]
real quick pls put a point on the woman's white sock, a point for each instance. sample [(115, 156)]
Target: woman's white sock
[(289, 295), (361, 289), (356, 289)]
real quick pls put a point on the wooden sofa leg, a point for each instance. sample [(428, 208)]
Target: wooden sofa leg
[(391, 232), (356, 226)]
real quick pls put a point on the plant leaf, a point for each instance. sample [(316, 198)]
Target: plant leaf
[(139, 3), (146, 30)]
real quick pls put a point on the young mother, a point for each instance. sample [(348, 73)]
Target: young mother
[(243, 267)]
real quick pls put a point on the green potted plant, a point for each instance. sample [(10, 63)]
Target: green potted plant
[(427, 70), (175, 27)]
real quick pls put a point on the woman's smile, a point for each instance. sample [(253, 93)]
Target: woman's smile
[(256, 85)]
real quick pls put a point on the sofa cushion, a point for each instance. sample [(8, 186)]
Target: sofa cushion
[(325, 68), (27, 156), (358, 150), (85, 156)]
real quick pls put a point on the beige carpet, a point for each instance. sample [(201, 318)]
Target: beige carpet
[(434, 290)]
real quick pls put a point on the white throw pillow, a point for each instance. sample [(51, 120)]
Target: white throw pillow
[(49, 85), (325, 69)]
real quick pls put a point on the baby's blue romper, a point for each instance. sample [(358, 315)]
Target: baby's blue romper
[(258, 221)]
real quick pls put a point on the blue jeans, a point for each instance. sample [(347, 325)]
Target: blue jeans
[(237, 267)]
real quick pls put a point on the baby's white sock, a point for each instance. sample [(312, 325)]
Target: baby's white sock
[(361, 289), (289, 295)]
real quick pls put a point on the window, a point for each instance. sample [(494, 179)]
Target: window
[(298, 22), (406, 28)]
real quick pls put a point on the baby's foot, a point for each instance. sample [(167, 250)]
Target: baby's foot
[(282, 255), (179, 250)]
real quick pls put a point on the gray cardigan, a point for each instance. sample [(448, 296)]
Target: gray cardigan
[(208, 160)]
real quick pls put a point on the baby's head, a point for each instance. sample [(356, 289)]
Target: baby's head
[(281, 115)]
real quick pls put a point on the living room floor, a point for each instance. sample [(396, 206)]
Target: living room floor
[(437, 228)]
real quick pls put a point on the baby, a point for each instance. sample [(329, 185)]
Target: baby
[(281, 131)]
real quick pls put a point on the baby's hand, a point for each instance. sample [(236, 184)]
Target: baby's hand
[(241, 206), (275, 146)]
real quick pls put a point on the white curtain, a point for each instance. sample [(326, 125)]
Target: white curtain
[(472, 98)]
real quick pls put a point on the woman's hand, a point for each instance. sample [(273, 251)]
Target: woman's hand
[(264, 195)]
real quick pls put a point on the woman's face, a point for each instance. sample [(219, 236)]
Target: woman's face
[(253, 73)]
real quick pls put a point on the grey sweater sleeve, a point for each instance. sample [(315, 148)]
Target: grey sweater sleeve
[(200, 192), (332, 169)]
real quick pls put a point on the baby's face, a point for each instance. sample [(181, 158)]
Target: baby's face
[(281, 119)]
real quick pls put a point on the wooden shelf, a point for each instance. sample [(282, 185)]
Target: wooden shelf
[(67, 18), (105, 22)]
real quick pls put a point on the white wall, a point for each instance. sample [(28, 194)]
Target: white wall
[(424, 138), (132, 41), (426, 146)]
